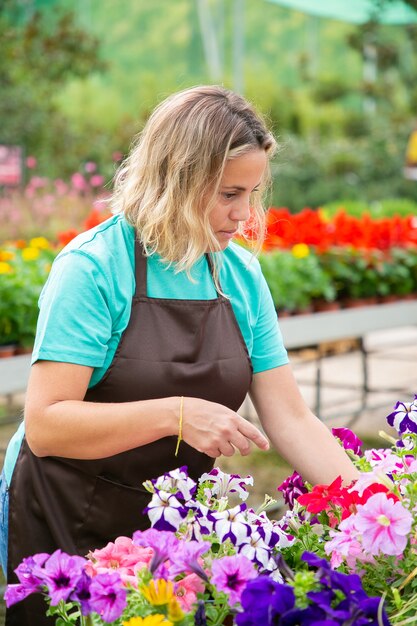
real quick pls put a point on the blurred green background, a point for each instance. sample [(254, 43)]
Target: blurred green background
[(78, 79)]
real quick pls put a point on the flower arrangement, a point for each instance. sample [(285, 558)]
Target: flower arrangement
[(369, 528), (341, 555)]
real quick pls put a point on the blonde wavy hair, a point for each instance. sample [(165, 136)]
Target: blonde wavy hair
[(169, 183)]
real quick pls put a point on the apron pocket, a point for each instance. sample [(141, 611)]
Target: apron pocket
[(115, 510)]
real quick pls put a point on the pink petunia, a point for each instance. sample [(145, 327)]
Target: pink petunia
[(186, 591), (384, 525), (122, 555)]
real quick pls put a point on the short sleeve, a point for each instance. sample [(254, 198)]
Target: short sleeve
[(75, 321), (268, 348)]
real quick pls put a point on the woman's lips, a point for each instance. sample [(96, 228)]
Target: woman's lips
[(227, 234)]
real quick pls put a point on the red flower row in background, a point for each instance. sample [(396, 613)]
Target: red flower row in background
[(314, 228)]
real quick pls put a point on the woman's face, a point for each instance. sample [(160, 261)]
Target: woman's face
[(241, 177)]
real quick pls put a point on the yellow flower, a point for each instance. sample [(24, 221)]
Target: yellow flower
[(151, 620), (300, 250), (6, 255), (5, 268), (40, 242), (159, 591), (30, 254), (175, 613)]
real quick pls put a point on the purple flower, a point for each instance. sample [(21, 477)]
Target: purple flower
[(264, 600), (231, 574), (404, 417), (31, 577), (185, 559), (61, 575), (108, 596), (163, 542), (348, 439), (165, 511), (82, 593), (291, 488)]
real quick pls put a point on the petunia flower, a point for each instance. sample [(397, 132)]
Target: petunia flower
[(384, 525), (186, 591), (61, 575), (348, 439), (186, 558), (165, 511), (291, 488), (404, 417), (231, 574), (322, 497), (30, 574), (108, 596), (176, 482), (82, 593), (163, 543), (223, 484)]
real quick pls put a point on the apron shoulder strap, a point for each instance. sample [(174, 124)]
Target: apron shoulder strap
[(141, 266)]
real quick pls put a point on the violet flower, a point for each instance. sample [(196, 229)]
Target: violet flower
[(108, 596), (31, 578), (81, 593), (61, 575), (291, 488), (404, 417), (185, 559), (231, 574), (163, 542), (348, 439)]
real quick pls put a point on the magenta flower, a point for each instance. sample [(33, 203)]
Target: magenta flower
[(383, 524), (108, 596), (291, 488), (61, 575), (348, 439), (231, 574), (31, 577)]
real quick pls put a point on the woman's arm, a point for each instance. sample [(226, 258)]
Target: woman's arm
[(59, 422), (295, 432)]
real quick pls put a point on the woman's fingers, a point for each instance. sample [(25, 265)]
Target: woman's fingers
[(214, 429)]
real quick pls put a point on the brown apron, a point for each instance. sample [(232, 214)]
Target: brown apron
[(170, 348)]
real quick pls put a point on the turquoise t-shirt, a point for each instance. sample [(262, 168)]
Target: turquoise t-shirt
[(85, 304)]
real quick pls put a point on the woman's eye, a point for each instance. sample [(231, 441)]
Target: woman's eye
[(228, 196)]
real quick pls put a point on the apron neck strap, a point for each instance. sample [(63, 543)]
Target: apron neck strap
[(141, 267), (141, 270)]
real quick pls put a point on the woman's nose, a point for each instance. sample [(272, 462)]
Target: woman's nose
[(241, 212)]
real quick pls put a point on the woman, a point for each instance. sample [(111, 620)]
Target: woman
[(153, 327)]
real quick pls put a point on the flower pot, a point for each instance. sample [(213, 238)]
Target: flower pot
[(324, 305), (23, 350), (7, 351), (351, 303)]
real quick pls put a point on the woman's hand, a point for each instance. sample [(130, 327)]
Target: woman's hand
[(215, 430)]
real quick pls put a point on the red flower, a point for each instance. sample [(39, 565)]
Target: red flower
[(323, 497), (66, 236)]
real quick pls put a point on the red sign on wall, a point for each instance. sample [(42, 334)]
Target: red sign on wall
[(11, 165)]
